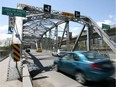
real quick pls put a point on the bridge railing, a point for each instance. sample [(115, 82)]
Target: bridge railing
[(3, 54)]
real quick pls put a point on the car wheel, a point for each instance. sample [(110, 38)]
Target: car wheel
[(55, 67), (80, 77)]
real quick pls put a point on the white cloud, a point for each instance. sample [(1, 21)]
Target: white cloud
[(5, 36), (111, 16), (3, 32), (104, 22), (3, 29)]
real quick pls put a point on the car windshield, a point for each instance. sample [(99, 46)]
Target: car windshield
[(92, 55)]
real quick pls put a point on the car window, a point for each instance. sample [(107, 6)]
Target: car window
[(66, 57), (76, 57), (92, 55), (71, 56)]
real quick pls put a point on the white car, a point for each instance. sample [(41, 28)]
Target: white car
[(59, 52)]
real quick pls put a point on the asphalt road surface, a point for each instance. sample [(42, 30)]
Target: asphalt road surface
[(44, 76)]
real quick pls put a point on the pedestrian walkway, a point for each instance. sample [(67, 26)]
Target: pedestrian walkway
[(3, 75), (14, 71)]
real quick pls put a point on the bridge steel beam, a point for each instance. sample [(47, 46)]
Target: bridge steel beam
[(62, 36), (75, 47), (50, 42), (34, 13), (46, 42), (88, 39), (67, 36), (56, 34)]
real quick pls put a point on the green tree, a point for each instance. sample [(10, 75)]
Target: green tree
[(7, 44)]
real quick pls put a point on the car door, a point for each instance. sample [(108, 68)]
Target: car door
[(72, 62), (64, 63)]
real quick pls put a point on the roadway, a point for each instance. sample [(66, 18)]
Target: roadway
[(43, 75)]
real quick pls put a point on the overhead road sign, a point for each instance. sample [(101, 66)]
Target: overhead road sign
[(13, 12), (67, 14), (16, 52), (77, 14), (105, 26), (47, 8)]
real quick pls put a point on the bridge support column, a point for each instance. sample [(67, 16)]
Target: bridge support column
[(88, 38), (46, 42), (50, 42), (67, 36), (36, 44), (56, 34)]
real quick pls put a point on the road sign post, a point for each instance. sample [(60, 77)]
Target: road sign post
[(18, 25)]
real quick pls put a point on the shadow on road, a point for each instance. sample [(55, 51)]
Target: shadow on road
[(37, 67), (108, 83)]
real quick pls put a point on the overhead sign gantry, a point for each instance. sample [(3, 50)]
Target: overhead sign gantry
[(37, 18), (39, 14)]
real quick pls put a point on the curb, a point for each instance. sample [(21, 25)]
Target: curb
[(27, 82)]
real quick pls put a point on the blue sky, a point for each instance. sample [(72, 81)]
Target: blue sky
[(102, 11)]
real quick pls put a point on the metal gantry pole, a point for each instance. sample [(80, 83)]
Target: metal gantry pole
[(63, 35)]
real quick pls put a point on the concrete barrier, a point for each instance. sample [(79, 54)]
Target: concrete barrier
[(26, 77)]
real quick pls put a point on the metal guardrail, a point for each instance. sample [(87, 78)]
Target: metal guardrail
[(3, 55), (1, 59)]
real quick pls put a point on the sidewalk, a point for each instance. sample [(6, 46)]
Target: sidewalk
[(3, 75)]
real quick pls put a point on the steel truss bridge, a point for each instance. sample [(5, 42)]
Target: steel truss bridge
[(40, 27)]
